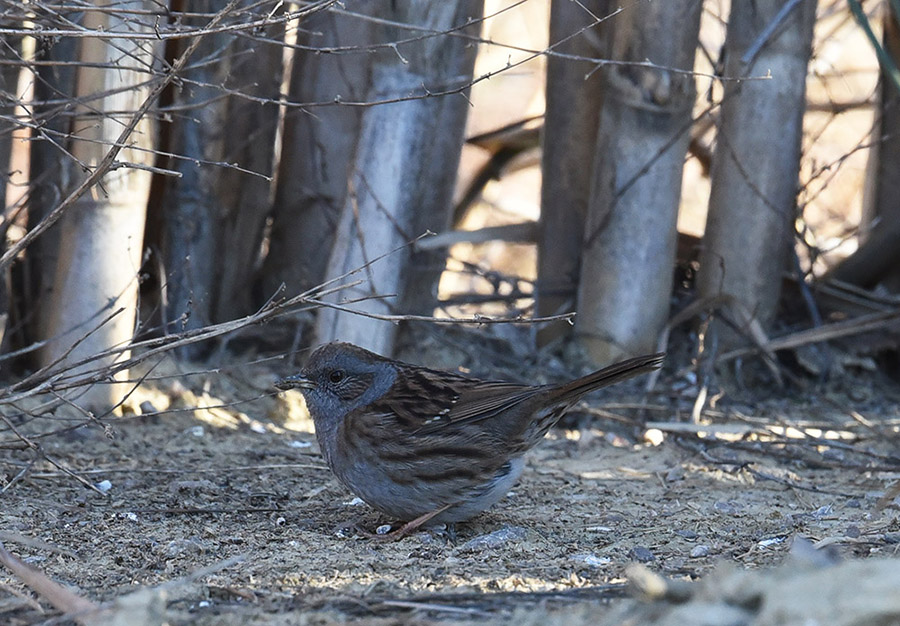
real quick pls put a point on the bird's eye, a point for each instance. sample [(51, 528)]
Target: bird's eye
[(336, 376)]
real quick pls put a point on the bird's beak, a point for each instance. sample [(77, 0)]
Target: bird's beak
[(292, 382)]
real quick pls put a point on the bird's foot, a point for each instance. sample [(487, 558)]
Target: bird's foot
[(386, 532), (409, 527)]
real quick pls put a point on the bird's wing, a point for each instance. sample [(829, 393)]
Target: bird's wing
[(428, 403), (487, 399)]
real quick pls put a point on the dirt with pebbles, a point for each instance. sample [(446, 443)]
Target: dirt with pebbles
[(227, 514)]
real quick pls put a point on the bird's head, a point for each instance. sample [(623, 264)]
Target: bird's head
[(338, 378)]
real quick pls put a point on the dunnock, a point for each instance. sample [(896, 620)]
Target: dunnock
[(426, 445)]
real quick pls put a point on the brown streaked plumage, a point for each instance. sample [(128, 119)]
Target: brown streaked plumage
[(423, 444)]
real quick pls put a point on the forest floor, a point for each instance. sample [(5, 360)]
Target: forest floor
[(228, 515)]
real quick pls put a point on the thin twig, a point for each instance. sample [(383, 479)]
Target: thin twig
[(476, 319)]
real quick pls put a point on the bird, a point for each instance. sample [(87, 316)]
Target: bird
[(430, 447)]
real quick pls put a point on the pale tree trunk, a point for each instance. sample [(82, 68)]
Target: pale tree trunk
[(756, 163), (101, 236), (574, 90), (317, 148), (394, 184), (212, 218), (630, 236)]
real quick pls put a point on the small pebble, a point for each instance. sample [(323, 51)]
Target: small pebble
[(300, 444), (852, 531), (179, 547), (147, 407), (654, 436), (823, 511), (495, 539), (676, 565), (599, 529), (772, 541), (104, 486), (258, 427), (196, 431), (591, 560), (686, 533), (383, 529), (642, 554), (354, 502), (699, 551)]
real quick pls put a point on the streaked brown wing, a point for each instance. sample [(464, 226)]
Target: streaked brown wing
[(424, 401), (487, 399)]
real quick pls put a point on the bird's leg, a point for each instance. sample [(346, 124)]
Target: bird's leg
[(411, 526)]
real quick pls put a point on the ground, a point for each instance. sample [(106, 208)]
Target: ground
[(231, 512)]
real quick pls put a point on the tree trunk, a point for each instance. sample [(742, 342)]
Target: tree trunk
[(214, 211), (630, 236), (9, 79), (395, 186), (52, 173), (101, 236), (569, 138), (756, 163), (454, 63), (881, 211), (188, 216), (317, 148), (9, 84), (246, 198)]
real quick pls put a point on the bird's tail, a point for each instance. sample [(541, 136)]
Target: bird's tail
[(615, 373)]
